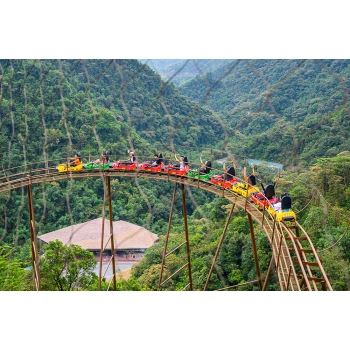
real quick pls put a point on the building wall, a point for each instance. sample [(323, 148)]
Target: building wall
[(123, 255)]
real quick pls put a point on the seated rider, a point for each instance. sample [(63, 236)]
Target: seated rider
[(251, 179), (269, 190), (286, 202), (76, 160), (230, 173), (205, 169), (104, 159), (131, 160), (158, 160), (183, 163)]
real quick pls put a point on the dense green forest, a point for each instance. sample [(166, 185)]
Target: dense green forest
[(292, 111)]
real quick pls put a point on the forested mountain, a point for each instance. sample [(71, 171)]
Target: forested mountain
[(50, 109), (284, 110), (182, 71), (60, 106)]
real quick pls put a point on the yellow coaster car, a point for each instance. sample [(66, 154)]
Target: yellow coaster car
[(241, 188), (65, 168), (283, 215)]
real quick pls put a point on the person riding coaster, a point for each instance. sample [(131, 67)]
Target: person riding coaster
[(227, 179), (266, 198), (73, 164), (129, 165), (248, 187), (205, 172), (155, 165), (282, 210), (181, 168), (102, 163)]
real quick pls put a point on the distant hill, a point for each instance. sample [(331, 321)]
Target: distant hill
[(182, 71), (282, 110), (57, 107)]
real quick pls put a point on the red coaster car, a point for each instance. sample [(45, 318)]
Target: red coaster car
[(124, 166), (261, 201), (220, 181), (172, 170), (151, 168)]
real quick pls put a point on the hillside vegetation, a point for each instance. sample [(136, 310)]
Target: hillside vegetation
[(291, 111), (50, 109)]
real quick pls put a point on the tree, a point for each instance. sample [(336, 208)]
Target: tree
[(12, 275), (67, 267)]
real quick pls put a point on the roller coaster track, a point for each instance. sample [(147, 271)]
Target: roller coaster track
[(294, 257)]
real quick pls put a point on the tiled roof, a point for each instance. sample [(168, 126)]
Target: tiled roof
[(88, 235)]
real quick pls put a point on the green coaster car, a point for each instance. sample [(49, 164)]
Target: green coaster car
[(206, 177), (96, 166)]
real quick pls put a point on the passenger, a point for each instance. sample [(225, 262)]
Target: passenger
[(269, 190), (286, 202), (76, 160), (183, 163), (158, 160), (104, 159), (186, 162), (230, 173), (205, 169), (132, 156), (131, 160), (252, 180)]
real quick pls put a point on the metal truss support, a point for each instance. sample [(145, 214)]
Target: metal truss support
[(222, 238), (109, 195), (102, 234), (188, 252), (165, 254), (252, 237), (33, 239)]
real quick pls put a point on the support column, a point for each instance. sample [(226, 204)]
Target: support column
[(33, 238), (184, 213), (268, 273), (266, 281), (252, 237), (108, 183), (167, 235), (102, 233), (229, 216)]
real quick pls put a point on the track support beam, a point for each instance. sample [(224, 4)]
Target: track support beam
[(222, 238), (108, 184), (171, 211), (188, 251), (255, 253), (33, 239), (102, 234)]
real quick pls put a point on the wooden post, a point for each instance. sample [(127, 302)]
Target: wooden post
[(167, 235), (102, 233), (33, 238), (229, 216), (108, 182), (184, 213), (252, 237)]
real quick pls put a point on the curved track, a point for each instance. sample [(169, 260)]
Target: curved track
[(295, 259)]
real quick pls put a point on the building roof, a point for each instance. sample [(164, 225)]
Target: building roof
[(88, 235)]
